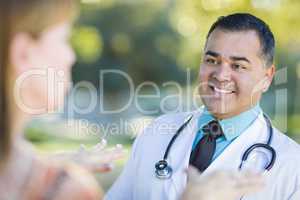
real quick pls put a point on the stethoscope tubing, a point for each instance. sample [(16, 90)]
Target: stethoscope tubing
[(176, 135), (245, 155)]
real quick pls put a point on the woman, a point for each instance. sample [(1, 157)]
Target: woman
[(34, 40)]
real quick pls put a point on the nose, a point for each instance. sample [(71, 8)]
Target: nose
[(223, 73)]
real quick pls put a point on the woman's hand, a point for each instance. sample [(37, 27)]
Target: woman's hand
[(99, 158), (220, 185)]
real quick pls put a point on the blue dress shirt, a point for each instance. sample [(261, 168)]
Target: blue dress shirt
[(232, 127)]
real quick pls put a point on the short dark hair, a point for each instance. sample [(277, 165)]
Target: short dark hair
[(245, 22)]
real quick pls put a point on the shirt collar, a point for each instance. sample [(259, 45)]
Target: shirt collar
[(234, 126)]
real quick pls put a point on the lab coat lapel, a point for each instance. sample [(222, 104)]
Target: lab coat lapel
[(230, 159), (179, 157)]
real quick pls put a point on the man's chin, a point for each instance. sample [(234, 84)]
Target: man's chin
[(219, 109)]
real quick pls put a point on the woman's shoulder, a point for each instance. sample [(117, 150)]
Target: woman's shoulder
[(54, 180)]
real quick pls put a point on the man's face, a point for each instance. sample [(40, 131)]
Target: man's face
[(232, 72)]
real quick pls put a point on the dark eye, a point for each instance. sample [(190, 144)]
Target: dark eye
[(238, 66), (211, 61)]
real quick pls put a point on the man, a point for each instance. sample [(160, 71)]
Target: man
[(237, 67)]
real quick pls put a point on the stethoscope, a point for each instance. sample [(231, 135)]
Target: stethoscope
[(164, 171)]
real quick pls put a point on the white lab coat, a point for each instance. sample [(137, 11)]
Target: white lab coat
[(138, 181)]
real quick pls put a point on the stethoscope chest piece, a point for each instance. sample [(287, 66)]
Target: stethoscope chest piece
[(163, 170)]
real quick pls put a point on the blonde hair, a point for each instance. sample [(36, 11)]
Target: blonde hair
[(31, 17)]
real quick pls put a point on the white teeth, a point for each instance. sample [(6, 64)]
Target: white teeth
[(222, 91)]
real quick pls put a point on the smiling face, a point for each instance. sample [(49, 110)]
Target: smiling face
[(232, 73)]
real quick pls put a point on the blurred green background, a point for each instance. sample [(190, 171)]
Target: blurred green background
[(159, 41)]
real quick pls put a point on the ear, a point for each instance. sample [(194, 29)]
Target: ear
[(20, 52), (269, 75)]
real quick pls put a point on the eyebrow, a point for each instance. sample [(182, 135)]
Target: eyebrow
[(235, 58), (212, 53)]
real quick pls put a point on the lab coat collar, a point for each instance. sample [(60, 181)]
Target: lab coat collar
[(230, 159), (234, 126)]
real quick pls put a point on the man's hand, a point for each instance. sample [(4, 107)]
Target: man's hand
[(221, 185)]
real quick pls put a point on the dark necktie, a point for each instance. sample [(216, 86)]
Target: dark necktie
[(202, 154)]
